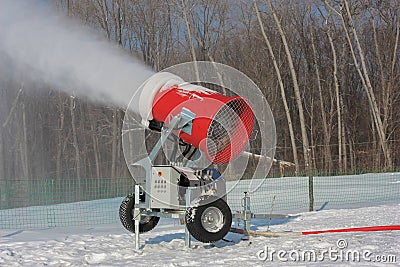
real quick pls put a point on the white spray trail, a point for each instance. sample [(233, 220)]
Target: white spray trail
[(51, 48)]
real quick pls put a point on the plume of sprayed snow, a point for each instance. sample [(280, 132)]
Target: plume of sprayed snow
[(48, 47)]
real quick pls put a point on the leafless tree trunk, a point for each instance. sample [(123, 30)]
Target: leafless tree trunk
[(7, 121), (295, 86), (189, 35), (312, 136), (95, 144), (103, 19), (114, 143), (117, 11), (2, 165), (2, 169), (352, 155), (327, 148), (343, 138), (61, 138), (24, 145), (75, 142), (338, 102), (390, 98), (375, 156), (283, 94), (68, 8)]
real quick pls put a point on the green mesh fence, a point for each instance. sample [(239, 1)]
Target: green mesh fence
[(292, 194), (65, 202), (28, 204)]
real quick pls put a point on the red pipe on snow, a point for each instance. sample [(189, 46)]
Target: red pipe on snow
[(345, 230), (358, 229)]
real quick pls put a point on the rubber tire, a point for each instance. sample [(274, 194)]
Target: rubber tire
[(195, 227), (126, 216)]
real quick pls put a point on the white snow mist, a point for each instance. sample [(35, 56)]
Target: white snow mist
[(48, 47)]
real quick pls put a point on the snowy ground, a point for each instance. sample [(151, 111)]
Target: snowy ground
[(111, 245)]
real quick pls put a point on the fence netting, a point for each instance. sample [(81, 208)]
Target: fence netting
[(44, 203)]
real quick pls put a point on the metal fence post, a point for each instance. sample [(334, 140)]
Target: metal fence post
[(246, 215)]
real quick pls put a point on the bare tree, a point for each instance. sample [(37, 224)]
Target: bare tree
[(327, 137), (95, 143), (75, 143), (338, 97), (349, 28), (24, 148), (61, 140), (295, 85), (103, 17), (189, 36), (2, 164), (114, 147), (282, 87)]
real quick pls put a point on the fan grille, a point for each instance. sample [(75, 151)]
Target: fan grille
[(229, 131)]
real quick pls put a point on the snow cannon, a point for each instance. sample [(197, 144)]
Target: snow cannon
[(218, 125), (209, 125)]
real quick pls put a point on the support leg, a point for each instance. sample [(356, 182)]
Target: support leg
[(137, 217), (187, 234), (187, 238)]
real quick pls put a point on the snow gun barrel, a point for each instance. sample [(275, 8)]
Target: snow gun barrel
[(220, 126)]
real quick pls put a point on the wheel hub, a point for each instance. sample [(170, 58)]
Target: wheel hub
[(144, 219), (212, 219)]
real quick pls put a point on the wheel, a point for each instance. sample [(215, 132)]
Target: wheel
[(146, 223), (210, 221)]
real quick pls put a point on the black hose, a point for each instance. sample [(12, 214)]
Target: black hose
[(187, 149), (192, 154), (175, 149)]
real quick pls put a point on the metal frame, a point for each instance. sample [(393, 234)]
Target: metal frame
[(182, 121), (177, 214)]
